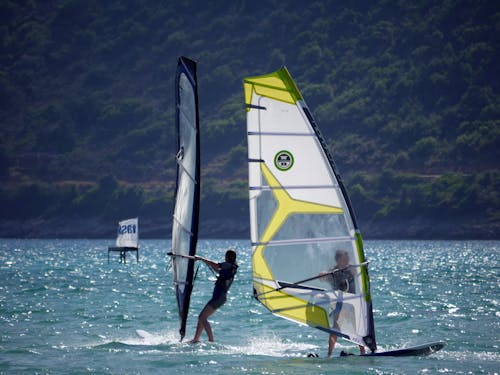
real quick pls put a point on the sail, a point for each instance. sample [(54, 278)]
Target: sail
[(187, 193), (128, 233), (307, 252)]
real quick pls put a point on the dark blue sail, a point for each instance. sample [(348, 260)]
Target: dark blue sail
[(187, 192)]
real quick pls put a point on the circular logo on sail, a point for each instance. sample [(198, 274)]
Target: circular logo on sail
[(283, 160)]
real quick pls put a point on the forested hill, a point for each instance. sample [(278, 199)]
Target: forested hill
[(407, 94)]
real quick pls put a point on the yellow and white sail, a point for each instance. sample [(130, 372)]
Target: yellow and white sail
[(300, 217)]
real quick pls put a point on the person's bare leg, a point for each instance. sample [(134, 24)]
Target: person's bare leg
[(331, 344), (199, 330), (208, 328), (204, 324)]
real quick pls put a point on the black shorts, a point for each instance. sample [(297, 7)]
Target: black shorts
[(218, 299)]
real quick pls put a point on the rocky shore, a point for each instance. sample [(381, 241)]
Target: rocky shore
[(417, 228)]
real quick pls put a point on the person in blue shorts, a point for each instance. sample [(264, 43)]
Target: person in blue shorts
[(227, 271)]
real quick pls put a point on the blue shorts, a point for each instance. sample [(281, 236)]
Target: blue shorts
[(335, 314)]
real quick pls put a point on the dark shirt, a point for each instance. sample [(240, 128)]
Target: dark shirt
[(343, 280), (226, 276)]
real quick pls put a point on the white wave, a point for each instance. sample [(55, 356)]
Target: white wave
[(152, 338), (273, 346)]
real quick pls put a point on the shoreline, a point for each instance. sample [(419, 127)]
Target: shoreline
[(99, 228)]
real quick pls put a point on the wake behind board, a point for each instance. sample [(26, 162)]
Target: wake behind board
[(143, 334)]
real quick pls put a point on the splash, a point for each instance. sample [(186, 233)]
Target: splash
[(273, 346)]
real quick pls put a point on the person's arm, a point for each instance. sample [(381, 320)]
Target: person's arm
[(352, 271), (324, 276), (215, 266)]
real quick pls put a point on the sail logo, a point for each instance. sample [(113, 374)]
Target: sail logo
[(124, 229), (283, 160)]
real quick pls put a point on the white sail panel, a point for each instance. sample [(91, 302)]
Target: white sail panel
[(308, 259), (128, 233), (310, 168), (275, 114)]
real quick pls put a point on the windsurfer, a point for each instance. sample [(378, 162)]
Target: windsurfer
[(227, 271), (341, 278)]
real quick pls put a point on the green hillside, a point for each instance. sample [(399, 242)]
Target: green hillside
[(406, 93)]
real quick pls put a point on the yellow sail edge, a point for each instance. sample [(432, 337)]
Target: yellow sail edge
[(292, 307), (278, 85)]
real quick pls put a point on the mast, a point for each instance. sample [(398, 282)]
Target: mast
[(370, 338)]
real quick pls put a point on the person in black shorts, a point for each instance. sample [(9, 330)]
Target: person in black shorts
[(226, 271)]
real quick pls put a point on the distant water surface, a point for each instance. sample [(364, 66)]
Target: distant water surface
[(64, 309)]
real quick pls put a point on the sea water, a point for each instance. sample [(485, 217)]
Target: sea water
[(64, 309)]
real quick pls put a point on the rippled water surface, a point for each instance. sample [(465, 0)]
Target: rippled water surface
[(64, 309)]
